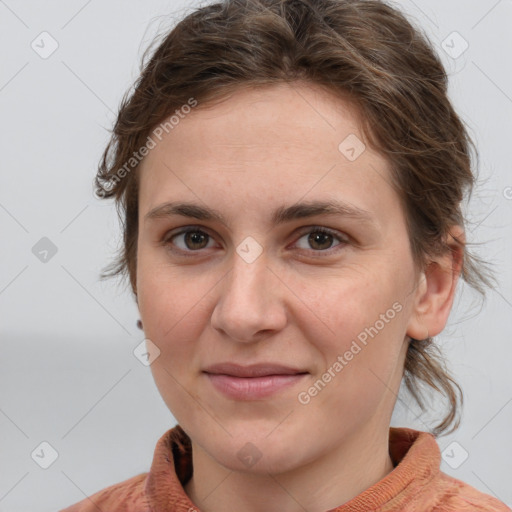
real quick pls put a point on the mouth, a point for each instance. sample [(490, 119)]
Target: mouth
[(254, 370), (252, 382)]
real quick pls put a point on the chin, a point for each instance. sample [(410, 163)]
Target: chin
[(264, 461), (253, 450)]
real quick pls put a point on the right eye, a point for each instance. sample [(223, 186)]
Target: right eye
[(191, 239)]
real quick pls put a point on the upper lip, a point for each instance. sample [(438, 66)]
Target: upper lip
[(254, 370)]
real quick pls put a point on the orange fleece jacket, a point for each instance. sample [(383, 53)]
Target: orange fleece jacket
[(416, 484)]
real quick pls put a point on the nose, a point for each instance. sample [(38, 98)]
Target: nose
[(250, 303)]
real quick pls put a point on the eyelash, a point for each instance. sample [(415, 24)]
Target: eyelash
[(167, 241)]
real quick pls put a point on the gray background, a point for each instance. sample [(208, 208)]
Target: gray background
[(67, 372)]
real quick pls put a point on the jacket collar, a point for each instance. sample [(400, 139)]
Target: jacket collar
[(415, 454)]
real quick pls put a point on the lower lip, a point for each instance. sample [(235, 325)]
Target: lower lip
[(252, 388)]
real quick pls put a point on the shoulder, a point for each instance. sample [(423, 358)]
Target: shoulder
[(424, 486), (126, 496), (458, 496)]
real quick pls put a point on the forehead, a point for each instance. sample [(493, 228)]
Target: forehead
[(274, 144)]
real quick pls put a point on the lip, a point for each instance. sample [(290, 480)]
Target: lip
[(252, 382), (253, 370)]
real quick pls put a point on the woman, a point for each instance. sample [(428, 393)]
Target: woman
[(289, 174)]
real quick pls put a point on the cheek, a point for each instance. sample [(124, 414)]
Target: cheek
[(359, 303), (174, 312), (357, 325), (166, 295), (175, 309)]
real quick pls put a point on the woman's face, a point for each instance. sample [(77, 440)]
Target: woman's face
[(264, 286)]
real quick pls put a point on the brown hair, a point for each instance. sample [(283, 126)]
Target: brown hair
[(363, 50)]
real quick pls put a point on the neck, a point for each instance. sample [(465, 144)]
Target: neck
[(331, 480)]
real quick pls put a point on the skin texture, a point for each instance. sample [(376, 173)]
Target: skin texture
[(300, 303)]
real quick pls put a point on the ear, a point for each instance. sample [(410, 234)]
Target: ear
[(436, 289)]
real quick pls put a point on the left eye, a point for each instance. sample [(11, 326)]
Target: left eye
[(320, 239)]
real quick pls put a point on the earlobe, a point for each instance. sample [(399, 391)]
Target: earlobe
[(436, 290)]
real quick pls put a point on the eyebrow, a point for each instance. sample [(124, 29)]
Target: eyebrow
[(279, 216)]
